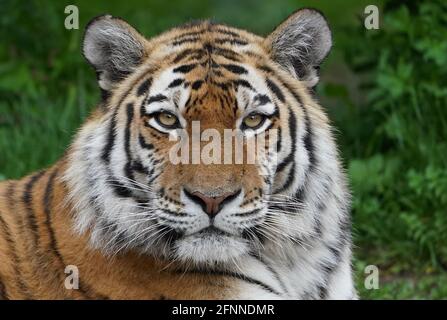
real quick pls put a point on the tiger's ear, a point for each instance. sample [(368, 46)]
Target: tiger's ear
[(300, 44), (113, 48)]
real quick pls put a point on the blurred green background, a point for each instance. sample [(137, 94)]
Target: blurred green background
[(385, 91)]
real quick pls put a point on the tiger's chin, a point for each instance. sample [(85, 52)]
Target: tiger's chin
[(210, 247)]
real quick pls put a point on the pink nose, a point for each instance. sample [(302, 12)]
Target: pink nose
[(212, 205)]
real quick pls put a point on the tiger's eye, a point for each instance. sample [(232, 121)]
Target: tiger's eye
[(167, 119), (253, 121)]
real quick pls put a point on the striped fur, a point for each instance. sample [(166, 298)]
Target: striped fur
[(116, 208)]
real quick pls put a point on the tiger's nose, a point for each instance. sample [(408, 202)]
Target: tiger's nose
[(212, 205)]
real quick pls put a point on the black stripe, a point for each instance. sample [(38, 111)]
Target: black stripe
[(144, 87), (183, 54), (243, 83), (15, 258), (3, 293), (28, 201), (291, 156), (186, 40), (285, 162), (328, 269), (276, 90), (176, 83), (273, 271), (187, 34), (7, 234), (299, 194), (235, 68), (290, 179), (110, 138), (127, 137), (308, 141), (157, 98), (196, 85), (263, 99), (120, 189), (226, 53), (248, 213), (336, 252), (279, 143), (27, 198), (175, 214), (250, 280), (231, 41), (237, 276), (54, 247), (292, 134), (196, 54), (47, 203), (208, 48), (254, 233), (185, 68), (139, 167), (222, 85), (322, 291), (144, 144), (227, 32)]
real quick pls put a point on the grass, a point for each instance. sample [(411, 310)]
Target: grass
[(36, 131), (407, 287)]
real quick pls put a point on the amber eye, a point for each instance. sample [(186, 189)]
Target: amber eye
[(253, 121), (167, 120)]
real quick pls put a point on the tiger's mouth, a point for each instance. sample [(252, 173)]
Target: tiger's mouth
[(212, 231), (209, 246), (211, 234)]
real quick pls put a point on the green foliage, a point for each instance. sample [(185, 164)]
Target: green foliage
[(398, 174), (408, 287)]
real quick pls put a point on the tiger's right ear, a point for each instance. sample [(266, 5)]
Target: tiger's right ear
[(300, 44), (113, 48)]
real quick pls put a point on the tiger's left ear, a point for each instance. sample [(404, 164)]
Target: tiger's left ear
[(300, 44)]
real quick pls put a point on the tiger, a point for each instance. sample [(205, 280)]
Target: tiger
[(116, 218)]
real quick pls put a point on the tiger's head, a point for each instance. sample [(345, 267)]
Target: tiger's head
[(124, 180)]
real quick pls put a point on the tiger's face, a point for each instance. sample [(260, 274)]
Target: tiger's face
[(212, 205), (198, 139)]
